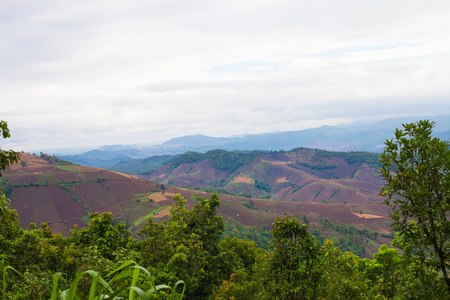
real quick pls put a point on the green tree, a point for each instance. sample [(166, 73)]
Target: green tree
[(102, 234), (418, 279), (342, 275), (293, 264), (385, 270), (416, 169), (236, 254), (187, 247)]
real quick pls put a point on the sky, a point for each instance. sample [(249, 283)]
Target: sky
[(91, 73)]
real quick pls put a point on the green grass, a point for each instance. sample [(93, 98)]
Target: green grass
[(153, 212), (44, 179), (66, 168), (143, 198), (85, 218), (103, 289)]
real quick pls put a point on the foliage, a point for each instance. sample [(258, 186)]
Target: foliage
[(187, 157), (261, 236), (102, 234), (6, 157), (385, 270), (348, 238), (241, 252), (222, 159), (211, 190), (102, 260), (293, 268), (343, 276), (101, 288), (416, 169), (352, 157), (56, 161), (318, 166), (188, 246), (261, 185), (141, 166)]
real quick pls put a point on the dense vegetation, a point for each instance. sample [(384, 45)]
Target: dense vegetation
[(56, 160), (141, 166), (221, 159), (416, 168), (215, 191), (346, 238), (232, 160), (352, 157)]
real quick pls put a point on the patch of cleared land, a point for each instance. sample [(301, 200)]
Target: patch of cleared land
[(282, 180), (243, 179), (157, 197), (156, 213), (367, 216), (164, 212)]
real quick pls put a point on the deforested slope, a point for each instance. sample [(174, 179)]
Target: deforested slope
[(302, 175)]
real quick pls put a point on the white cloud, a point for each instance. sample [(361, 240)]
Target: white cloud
[(140, 72)]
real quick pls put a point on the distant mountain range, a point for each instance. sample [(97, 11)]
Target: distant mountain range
[(360, 136)]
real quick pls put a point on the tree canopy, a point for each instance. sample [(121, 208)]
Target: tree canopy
[(416, 169)]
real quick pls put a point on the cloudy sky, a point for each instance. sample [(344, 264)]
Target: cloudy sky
[(91, 73)]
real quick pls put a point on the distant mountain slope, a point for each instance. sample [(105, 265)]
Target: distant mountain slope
[(301, 175), (141, 166), (360, 136), (43, 190), (64, 195)]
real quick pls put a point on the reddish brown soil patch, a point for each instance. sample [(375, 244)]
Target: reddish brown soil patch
[(97, 198), (368, 216), (282, 180), (158, 197), (163, 213), (244, 180)]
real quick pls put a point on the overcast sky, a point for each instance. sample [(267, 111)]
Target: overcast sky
[(91, 73)]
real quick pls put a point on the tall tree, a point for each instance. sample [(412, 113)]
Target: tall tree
[(293, 264), (187, 247), (416, 169)]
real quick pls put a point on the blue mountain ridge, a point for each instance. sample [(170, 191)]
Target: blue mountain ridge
[(358, 136)]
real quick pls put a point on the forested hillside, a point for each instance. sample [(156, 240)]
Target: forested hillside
[(301, 175)]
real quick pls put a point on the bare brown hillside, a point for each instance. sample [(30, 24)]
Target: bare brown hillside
[(301, 176), (64, 195)]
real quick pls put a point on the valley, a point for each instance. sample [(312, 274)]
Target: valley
[(63, 194)]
